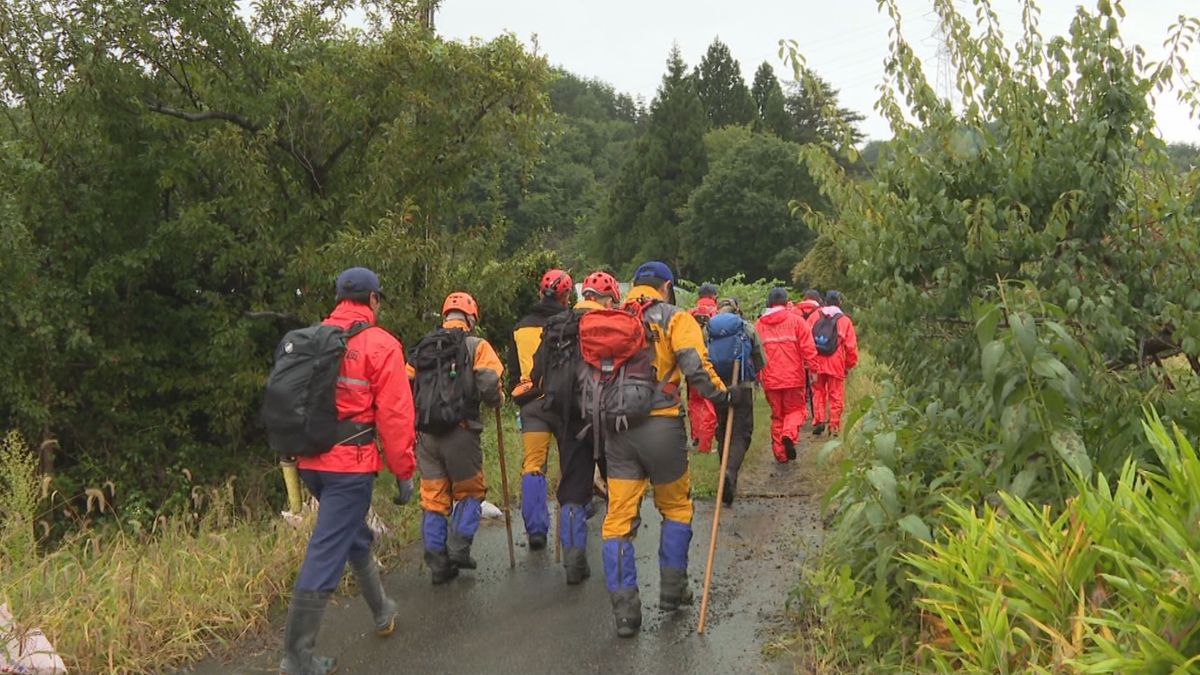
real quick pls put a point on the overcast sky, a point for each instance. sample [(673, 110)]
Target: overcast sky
[(625, 42)]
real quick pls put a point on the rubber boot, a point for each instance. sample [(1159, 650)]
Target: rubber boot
[(440, 568), (627, 611), (674, 589), (789, 448), (534, 510), (727, 494), (383, 608), (673, 562), (572, 528), (464, 521), (300, 635), (433, 533), (620, 577), (459, 549)]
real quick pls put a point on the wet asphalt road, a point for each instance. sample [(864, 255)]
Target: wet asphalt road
[(527, 620)]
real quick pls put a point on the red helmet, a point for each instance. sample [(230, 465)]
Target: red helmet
[(602, 283), (461, 302), (556, 284)]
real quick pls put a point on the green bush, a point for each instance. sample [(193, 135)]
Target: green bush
[(1109, 585)]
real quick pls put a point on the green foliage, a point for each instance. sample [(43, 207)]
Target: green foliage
[(643, 216), (20, 493), (751, 295), (1025, 255), (182, 183), (823, 267), (722, 91), (770, 102), (739, 218), (1107, 586), (816, 117)]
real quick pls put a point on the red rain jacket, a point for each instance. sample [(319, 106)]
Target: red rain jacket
[(841, 361), (805, 308), (372, 387), (788, 342)]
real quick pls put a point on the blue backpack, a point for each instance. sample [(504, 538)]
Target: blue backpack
[(728, 343)]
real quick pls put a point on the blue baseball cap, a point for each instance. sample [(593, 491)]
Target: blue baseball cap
[(653, 268), (357, 282)]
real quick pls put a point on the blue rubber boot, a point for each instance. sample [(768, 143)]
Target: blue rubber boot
[(620, 577), (534, 510), (674, 589)]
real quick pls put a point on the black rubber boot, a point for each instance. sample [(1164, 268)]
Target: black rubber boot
[(730, 490), (576, 564), (383, 608), (627, 610), (459, 548), (440, 568), (818, 428), (537, 541), (789, 448), (674, 589), (300, 636)]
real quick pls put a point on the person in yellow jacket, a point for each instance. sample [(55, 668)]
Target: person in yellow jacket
[(449, 451), (537, 424), (655, 452)]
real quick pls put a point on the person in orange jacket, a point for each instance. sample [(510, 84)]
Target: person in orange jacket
[(449, 449), (790, 354), (374, 404), (837, 354)]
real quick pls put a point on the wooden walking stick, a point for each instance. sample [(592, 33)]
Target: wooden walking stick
[(512, 556), (712, 540)]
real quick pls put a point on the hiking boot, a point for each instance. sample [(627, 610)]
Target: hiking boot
[(789, 448), (674, 589), (440, 568), (576, 565), (537, 541), (627, 611), (383, 608), (300, 636), (818, 428), (458, 548), (727, 493)]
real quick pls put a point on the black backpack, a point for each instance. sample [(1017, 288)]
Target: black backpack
[(299, 406), (825, 335), (444, 390), (556, 364)]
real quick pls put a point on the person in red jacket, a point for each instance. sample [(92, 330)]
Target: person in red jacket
[(810, 303), (790, 353), (702, 416), (834, 362), (373, 397)]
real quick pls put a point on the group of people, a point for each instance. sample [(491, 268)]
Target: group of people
[(601, 379), (799, 353)]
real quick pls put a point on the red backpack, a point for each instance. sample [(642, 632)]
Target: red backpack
[(618, 382)]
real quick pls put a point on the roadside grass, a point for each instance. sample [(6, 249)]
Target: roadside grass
[(113, 597)]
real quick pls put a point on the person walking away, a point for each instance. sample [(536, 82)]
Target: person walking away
[(647, 444), (731, 339), (454, 372), (373, 407), (837, 354), (790, 353), (805, 308), (702, 417), (555, 374), (537, 425), (810, 303)]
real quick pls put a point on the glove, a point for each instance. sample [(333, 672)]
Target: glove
[(405, 488), (734, 395)]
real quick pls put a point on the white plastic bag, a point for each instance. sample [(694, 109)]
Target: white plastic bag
[(27, 652)]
